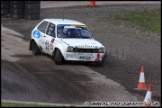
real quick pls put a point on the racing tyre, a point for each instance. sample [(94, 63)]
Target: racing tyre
[(5, 2), (32, 12), (5, 6), (32, 2), (32, 16), (58, 57), (17, 6), (19, 16), (5, 11), (32, 6), (17, 11), (17, 2), (35, 49)]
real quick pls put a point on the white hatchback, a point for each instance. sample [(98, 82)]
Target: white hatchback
[(66, 39)]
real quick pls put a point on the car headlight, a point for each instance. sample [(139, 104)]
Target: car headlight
[(69, 49), (102, 50)]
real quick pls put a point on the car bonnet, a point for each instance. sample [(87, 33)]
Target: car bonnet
[(90, 43)]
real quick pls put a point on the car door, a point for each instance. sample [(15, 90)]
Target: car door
[(42, 28), (49, 39)]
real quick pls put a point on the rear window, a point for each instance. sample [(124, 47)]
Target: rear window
[(42, 27)]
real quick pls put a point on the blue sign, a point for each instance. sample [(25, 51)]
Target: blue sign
[(36, 34)]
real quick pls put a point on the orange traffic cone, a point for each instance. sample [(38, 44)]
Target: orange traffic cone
[(147, 100), (141, 84), (92, 3)]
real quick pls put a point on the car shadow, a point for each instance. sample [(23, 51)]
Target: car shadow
[(88, 64)]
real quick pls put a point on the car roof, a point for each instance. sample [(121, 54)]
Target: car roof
[(64, 21)]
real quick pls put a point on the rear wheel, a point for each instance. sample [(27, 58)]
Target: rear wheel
[(58, 57), (35, 49), (32, 10)]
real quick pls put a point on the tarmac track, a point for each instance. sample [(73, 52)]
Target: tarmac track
[(119, 61)]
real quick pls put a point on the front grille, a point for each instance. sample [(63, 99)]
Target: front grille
[(85, 50)]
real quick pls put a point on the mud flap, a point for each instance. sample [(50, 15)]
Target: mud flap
[(30, 47)]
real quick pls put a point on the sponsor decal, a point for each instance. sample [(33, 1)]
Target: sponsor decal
[(51, 46), (47, 45), (52, 40), (36, 34), (41, 40), (69, 27), (80, 26)]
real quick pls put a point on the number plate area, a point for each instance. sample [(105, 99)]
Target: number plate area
[(80, 56), (84, 57)]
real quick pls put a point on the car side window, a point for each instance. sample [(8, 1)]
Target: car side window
[(42, 27), (51, 30)]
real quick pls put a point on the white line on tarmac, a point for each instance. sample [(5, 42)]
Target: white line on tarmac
[(37, 103)]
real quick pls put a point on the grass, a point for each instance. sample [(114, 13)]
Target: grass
[(148, 20), (7, 104)]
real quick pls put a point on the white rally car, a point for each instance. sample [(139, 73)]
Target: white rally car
[(66, 39)]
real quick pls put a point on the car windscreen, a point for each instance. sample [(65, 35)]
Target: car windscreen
[(72, 31)]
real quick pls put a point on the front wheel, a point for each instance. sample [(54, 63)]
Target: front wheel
[(35, 49), (58, 57)]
